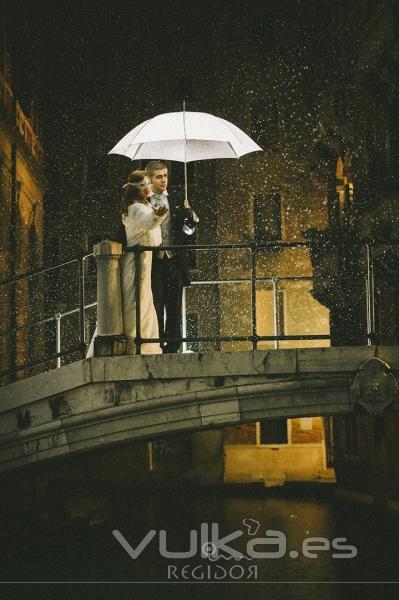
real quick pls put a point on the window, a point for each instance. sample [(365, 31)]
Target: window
[(267, 217), (33, 244), (265, 127), (34, 294), (306, 423), (240, 434), (274, 431)]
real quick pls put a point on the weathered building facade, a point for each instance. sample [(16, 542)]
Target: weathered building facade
[(366, 449), (22, 189)]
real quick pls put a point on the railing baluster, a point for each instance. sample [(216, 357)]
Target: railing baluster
[(184, 318), (253, 297), (137, 291), (57, 317), (82, 341), (275, 313)]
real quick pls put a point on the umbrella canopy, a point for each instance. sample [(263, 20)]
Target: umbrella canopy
[(185, 136)]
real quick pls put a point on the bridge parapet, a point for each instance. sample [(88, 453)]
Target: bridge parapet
[(109, 339), (111, 400)]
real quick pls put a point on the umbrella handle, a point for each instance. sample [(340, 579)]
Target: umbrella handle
[(186, 205), (185, 186)]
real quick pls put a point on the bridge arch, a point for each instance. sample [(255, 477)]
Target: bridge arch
[(112, 400)]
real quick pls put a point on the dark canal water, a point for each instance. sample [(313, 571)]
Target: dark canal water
[(67, 548)]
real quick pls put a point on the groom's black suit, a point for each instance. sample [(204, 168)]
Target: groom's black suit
[(170, 275)]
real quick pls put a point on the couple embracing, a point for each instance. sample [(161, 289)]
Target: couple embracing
[(152, 218)]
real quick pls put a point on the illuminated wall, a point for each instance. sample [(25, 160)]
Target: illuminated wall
[(21, 158), (293, 449), (276, 195)]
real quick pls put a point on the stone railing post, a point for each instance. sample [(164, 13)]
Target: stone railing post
[(110, 339)]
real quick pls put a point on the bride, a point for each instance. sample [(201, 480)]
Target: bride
[(142, 227), (141, 223)]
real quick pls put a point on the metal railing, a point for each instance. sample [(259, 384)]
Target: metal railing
[(254, 338), (80, 347)]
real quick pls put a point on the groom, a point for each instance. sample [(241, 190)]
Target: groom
[(170, 272)]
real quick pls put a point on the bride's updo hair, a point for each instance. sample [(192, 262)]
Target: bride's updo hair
[(131, 192)]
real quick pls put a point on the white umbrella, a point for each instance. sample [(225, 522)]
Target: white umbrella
[(185, 136)]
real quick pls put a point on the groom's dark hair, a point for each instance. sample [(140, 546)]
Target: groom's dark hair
[(154, 165)]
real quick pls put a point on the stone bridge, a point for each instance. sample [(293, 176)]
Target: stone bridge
[(106, 401)]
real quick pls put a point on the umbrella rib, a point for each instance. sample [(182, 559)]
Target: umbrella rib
[(136, 152), (231, 130), (140, 130), (231, 146)]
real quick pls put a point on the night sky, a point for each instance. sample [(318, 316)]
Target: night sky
[(99, 68)]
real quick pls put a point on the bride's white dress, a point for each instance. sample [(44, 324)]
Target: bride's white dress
[(142, 227)]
